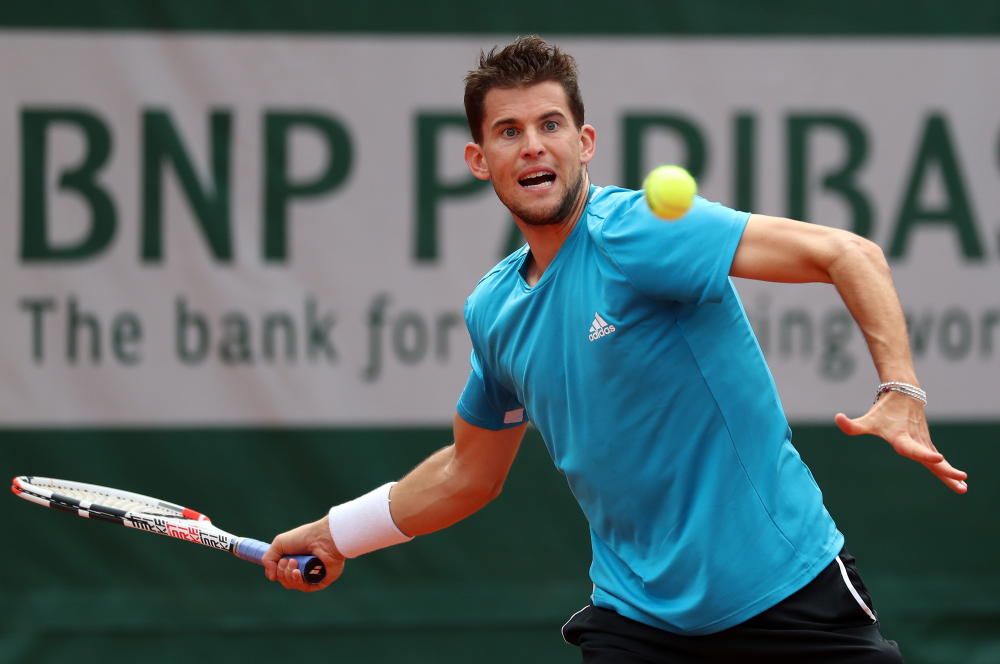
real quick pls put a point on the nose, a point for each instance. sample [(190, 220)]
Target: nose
[(532, 145)]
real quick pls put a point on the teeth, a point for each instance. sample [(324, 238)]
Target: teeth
[(537, 179)]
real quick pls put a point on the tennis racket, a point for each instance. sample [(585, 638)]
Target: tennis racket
[(150, 515)]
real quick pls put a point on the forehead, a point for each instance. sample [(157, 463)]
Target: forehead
[(525, 103)]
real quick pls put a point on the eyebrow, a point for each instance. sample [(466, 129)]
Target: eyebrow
[(541, 118)]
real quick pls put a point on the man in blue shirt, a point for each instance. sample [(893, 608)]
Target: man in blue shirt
[(623, 339)]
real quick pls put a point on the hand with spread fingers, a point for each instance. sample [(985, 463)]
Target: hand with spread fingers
[(900, 421)]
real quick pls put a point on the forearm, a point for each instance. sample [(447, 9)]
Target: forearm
[(862, 277), (785, 250), (448, 486), (436, 494)]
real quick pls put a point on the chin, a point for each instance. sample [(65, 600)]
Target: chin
[(543, 217), (543, 204)]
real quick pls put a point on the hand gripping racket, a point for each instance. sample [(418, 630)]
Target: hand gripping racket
[(150, 515)]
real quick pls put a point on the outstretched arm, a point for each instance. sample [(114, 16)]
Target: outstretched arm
[(448, 486), (783, 250)]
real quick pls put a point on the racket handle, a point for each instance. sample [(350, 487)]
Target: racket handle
[(312, 568)]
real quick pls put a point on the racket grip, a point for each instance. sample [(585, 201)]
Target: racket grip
[(312, 568)]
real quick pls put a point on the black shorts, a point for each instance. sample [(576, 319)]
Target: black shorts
[(823, 622)]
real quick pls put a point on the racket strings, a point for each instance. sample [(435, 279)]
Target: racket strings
[(126, 503)]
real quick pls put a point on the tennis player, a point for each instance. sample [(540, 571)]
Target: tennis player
[(623, 339)]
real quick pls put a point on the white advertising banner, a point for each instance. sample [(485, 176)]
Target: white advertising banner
[(281, 230)]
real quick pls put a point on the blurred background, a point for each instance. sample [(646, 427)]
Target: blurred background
[(235, 241)]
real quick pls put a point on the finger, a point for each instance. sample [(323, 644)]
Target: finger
[(911, 449), (295, 577), (849, 426), (945, 470), (292, 578), (270, 563), (958, 486), (271, 558), (273, 554), (286, 569), (280, 574), (299, 582)]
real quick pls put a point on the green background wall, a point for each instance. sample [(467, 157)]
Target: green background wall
[(492, 589), (497, 587)]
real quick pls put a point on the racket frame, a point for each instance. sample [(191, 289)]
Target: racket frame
[(188, 525)]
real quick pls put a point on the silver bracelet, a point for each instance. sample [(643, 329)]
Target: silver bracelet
[(911, 391)]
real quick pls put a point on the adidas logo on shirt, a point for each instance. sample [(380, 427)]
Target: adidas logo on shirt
[(600, 328)]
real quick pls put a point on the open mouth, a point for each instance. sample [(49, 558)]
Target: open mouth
[(538, 180)]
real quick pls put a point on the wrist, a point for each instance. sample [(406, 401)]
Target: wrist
[(910, 390), (322, 533), (364, 524)]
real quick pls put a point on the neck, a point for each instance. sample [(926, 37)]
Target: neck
[(545, 241)]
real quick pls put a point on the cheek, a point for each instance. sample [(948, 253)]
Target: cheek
[(500, 163)]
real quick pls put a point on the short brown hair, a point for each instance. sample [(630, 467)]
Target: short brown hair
[(524, 62)]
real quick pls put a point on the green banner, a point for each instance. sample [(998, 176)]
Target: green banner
[(664, 17), (494, 588)]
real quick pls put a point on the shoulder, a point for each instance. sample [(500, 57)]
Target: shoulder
[(619, 207), (611, 204), (683, 260), (622, 216)]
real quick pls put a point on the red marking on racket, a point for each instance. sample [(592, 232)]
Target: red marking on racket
[(195, 516)]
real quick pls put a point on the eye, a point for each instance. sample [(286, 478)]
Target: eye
[(551, 125), (509, 132)]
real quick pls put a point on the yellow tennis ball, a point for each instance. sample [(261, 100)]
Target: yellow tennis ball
[(669, 191)]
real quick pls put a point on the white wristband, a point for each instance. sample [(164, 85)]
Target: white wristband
[(365, 524)]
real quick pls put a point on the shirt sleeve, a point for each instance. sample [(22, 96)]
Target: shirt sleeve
[(687, 260), (486, 404)]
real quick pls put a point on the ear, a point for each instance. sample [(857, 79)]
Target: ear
[(588, 143), (476, 161)]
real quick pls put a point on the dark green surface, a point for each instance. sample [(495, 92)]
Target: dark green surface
[(495, 588), (661, 17)]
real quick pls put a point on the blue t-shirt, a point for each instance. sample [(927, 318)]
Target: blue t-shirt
[(634, 358)]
